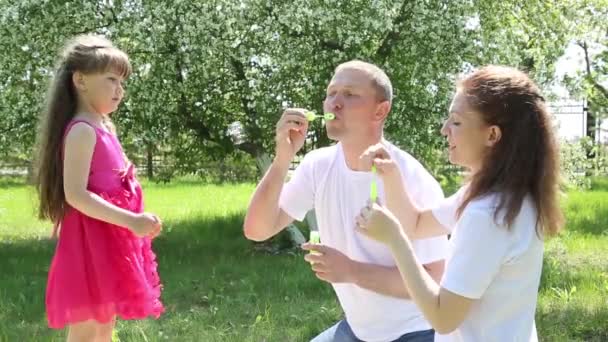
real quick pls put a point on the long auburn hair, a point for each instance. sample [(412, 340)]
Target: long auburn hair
[(87, 54), (526, 158)]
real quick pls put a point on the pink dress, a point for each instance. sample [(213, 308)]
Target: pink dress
[(101, 270)]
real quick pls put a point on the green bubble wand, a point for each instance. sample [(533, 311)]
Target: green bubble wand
[(315, 239), (373, 191), (311, 116)]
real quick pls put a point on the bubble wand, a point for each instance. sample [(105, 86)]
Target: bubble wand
[(311, 116), (315, 239), (373, 191)]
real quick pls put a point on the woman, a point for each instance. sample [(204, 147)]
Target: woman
[(499, 129)]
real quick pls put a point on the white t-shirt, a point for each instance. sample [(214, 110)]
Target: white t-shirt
[(497, 267), (324, 182)]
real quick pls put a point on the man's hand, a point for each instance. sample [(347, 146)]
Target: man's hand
[(290, 134), (330, 265)]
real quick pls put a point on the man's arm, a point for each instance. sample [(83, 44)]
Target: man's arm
[(417, 223), (264, 218), (333, 266), (387, 280)]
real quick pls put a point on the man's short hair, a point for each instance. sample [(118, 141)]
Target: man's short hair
[(380, 80)]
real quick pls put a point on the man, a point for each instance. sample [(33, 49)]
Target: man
[(330, 180)]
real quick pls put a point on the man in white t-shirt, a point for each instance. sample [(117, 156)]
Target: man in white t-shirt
[(362, 272)]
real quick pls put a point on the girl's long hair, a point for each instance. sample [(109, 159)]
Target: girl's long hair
[(87, 54)]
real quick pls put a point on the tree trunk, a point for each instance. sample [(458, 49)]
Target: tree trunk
[(149, 162)]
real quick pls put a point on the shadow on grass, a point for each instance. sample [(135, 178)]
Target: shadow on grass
[(599, 184), (572, 322), (595, 225), (9, 182), (562, 271), (207, 268), (588, 216)]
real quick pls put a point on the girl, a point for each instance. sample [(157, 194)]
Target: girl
[(498, 129), (103, 265)]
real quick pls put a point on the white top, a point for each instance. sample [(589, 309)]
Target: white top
[(323, 181), (497, 267)]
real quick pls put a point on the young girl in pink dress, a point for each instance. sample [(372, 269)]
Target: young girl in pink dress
[(103, 266)]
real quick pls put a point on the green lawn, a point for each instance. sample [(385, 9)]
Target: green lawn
[(219, 288)]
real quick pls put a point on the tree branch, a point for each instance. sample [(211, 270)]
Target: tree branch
[(183, 111), (589, 77), (250, 113), (91, 29), (111, 21), (150, 52), (8, 129), (392, 37), (327, 44)]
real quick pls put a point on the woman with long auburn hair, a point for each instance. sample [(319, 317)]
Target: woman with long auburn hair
[(500, 131)]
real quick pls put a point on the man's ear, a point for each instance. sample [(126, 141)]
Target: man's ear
[(382, 110)]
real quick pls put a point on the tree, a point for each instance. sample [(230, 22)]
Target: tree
[(200, 66), (589, 29)]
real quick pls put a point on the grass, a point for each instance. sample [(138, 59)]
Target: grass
[(219, 288), (573, 301)]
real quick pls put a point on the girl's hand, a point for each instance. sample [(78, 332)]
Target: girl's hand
[(378, 223), (146, 224)]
